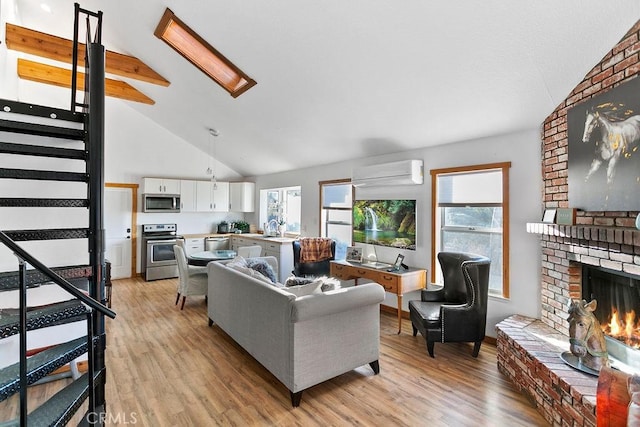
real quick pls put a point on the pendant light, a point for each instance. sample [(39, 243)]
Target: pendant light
[(212, 153)]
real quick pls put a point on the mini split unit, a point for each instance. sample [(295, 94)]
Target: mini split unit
[(405, 172)]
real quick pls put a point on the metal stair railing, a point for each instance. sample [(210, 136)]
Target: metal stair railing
[(24, 256), (92, 117)]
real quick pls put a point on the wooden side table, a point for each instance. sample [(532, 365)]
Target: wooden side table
[(397, 282)]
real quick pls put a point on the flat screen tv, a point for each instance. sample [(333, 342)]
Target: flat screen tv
[(385, 223)]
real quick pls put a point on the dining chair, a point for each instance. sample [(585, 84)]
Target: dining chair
[(250, 251), (191, 282)]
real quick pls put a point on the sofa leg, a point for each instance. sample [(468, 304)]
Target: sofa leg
[(375, 365), (295, 398), (430, 348), (476, 348), (177, 298), (183, 300), (210, 322), (415, 330)]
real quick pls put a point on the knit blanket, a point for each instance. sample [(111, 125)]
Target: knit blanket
[(314, 249)]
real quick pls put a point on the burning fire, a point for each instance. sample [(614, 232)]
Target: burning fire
[(625, 330)]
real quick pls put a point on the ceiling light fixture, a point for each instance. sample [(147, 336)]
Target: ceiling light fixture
[(196, 50)]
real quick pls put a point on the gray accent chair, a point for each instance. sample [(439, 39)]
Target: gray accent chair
[(456, 311)]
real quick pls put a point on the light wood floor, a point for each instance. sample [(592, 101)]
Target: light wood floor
[(166, 367)]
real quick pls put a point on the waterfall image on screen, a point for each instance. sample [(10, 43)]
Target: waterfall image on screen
[(385, 223)]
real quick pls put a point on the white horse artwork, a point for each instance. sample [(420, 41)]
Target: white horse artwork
[(617, 138)]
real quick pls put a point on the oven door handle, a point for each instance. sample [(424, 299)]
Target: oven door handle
[(162, 242)]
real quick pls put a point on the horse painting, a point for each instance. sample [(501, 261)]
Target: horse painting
[(586, 336), (617, 138)]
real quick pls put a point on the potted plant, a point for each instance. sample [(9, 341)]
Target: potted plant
[(243, 226)]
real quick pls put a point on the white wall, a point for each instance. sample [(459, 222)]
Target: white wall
[(521, 149)]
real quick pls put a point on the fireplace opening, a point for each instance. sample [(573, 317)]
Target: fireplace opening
[(618, 311)]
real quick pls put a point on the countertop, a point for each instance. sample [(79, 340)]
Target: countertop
[(254, 236)]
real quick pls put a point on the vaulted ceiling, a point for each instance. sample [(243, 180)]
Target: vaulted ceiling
[(338, 80)]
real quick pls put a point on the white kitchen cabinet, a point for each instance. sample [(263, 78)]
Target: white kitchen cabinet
[(188, 196), (160, 186), (209, 199), (204, 196), (283, 252), (242, 196), (237, 241), (221, 197), (191, 246)]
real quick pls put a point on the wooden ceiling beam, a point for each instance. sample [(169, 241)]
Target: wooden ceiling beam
[(42, 73), (59, 49)]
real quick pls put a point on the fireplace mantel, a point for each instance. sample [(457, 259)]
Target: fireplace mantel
[(595, 233), (566, 247)]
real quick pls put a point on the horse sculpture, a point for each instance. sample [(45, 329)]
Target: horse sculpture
[(586, 336), (616, 139)]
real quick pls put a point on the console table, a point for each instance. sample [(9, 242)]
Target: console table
[(397, 282)]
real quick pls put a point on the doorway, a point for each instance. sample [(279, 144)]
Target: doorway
[(120, 217)]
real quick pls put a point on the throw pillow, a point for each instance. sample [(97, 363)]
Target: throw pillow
[(237, 262), (297, 281), (329, 283), (252, 273), (308, 289), (263, 267)]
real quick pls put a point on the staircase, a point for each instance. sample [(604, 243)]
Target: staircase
[(58, 150)]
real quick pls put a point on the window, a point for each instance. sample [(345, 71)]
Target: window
[(335, 209), (471, 214), (281, 206)]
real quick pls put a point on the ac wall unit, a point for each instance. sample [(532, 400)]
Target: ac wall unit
[(404, 172)]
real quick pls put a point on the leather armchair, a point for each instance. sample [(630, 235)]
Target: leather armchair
[(320, 268), (456, 311)]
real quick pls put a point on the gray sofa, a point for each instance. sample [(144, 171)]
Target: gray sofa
[(302, 341)]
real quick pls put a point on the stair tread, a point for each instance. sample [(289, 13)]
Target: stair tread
[(40, 365), (58, 410), (41, 202), (40, 317), (36, 110), (48, 234), (43, 175), (61, 407), (42, 150), (76, 274), (41, 130)]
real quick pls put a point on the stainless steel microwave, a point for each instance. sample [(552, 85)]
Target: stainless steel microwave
[(161, 202)]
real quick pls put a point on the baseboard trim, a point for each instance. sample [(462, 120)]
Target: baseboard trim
[(394, 311)]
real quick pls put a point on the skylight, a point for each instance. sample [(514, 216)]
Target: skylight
[(196, 50)]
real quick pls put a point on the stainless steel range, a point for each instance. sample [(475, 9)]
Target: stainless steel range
[(158, 258)]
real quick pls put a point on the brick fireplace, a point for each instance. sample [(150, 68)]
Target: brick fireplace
[(528, 349)]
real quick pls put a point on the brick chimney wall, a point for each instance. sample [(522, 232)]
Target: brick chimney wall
[(608, 239)]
